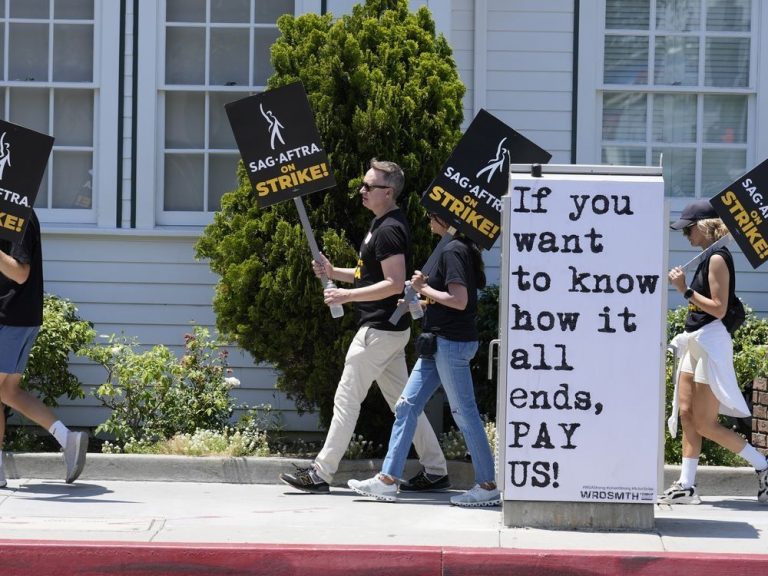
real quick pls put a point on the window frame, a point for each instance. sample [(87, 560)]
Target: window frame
[(591, 87), (150, 123), (104, 87)]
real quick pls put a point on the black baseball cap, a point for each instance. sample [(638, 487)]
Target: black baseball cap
[(695, 211)]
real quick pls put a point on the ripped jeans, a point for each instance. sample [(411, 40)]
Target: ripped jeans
[(449, 367)]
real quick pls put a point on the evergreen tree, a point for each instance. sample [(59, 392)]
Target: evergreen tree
[(381, 84)]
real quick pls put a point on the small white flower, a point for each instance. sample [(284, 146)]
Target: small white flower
[(232, 382)]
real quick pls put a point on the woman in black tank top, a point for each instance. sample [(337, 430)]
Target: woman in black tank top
[(706, 384)]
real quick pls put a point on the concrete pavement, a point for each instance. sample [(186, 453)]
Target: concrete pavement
[(130, 525)]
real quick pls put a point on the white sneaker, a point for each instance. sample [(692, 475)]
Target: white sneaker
[(74, 454), (676, 494), (762, 486), (477, 497), (375, 488)]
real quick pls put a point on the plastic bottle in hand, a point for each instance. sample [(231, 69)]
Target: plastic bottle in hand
[(337, 310), (414, 305)]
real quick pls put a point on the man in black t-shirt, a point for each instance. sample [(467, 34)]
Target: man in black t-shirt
[(377, 350), (21, 315)]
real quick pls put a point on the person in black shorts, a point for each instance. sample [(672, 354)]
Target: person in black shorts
[(377, 350), (21, 315)]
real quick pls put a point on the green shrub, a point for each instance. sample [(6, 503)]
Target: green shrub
[(63, 333), (154, 396)]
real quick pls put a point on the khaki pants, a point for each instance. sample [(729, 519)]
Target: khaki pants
[(374, 355)]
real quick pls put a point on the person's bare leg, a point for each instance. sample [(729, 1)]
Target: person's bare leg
[(13, 395)]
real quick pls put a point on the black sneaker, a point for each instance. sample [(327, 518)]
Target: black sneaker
[(306, 480), (424, 482)]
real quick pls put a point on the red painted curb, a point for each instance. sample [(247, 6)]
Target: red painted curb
[(55, 558)]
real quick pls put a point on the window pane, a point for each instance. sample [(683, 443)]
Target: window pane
[(185, 11), (229, 57), (727, 62), (626, 60), (185, 56), (679, 170), (73, 53), (677, 61), (720, 168), (184, 120), (632, 14), (72, 179), (232, 10), (674, 118), (73, 10), (624, 116), (262, 68), (73, 117), (222, 177), (29, 9), (730, 16), (678, 15), (184, 182), (221, 134), (725, 119), (29, 45), (29, 108), (269, 12), (624, 156)]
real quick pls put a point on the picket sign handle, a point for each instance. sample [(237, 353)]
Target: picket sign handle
[(725, 240), (427, 269), (309, 234)]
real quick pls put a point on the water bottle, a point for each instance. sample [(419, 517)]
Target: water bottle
[(337, 310), (414, 305)]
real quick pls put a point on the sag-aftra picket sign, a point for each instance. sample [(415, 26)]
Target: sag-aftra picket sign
[(23, 156)]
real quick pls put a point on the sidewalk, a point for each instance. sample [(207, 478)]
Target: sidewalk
[(237, 520)]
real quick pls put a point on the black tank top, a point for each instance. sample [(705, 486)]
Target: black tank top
[(696, 316)]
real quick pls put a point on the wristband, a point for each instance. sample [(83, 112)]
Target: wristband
[(688, 294)]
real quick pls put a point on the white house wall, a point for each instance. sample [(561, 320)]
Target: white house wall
[(516, 60)]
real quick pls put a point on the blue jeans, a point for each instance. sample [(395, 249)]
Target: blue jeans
[(450, 366)]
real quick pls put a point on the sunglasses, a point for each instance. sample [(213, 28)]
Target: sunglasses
[(687, 229), (368, 187)]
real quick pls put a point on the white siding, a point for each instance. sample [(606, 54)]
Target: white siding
[(149, 287), (519, 67)]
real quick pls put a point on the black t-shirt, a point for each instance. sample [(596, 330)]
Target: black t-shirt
[(455, 267), (388, 236), (696, 316), (22, 304)]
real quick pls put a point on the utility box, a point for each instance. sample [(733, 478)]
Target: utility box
[(582, 317)]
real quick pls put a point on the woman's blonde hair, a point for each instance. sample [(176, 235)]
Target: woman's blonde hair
[(712, 228)]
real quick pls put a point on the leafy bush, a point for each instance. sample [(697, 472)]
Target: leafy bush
[(380, 83), (63, 332), (154, 396)]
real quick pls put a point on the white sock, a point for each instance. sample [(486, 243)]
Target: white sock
[(688, 473), (751, 455), (1, 460), (59, 432)]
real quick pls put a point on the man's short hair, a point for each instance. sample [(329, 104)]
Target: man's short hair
[(393, 174)]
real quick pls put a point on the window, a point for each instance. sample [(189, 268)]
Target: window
[(214, 52), (676, 83), (48, 84)]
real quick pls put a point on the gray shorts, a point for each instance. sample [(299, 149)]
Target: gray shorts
[(15, 344)]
